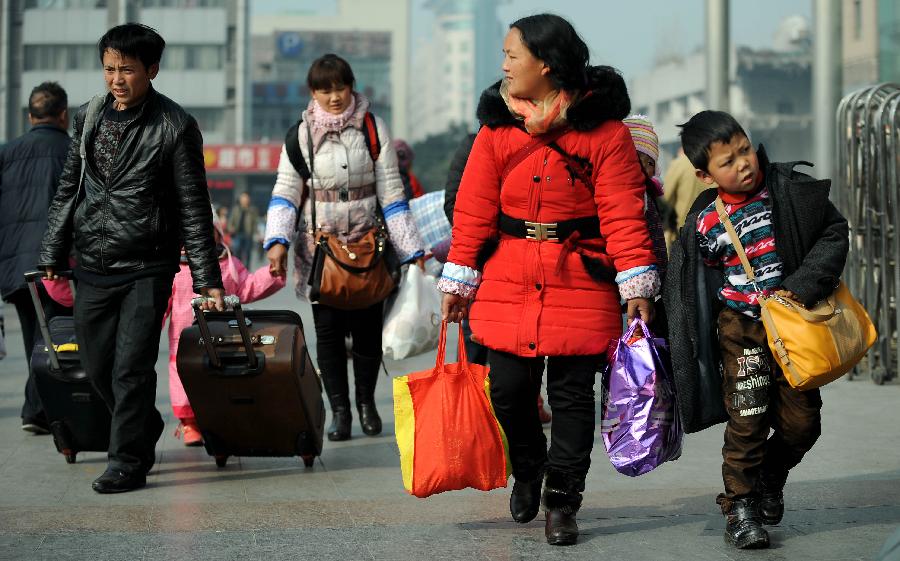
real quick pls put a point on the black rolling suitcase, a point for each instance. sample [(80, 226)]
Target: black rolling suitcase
[(251, 383), (79, 419)]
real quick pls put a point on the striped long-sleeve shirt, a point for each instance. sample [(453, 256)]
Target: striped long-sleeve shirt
[(752, 219)]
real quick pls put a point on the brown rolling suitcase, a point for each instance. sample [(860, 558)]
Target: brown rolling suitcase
[(251, 383)]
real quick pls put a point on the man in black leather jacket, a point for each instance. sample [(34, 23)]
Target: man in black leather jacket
[(132, 192)]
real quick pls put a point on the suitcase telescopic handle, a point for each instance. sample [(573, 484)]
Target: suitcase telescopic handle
[(234, 303), (31, 278)]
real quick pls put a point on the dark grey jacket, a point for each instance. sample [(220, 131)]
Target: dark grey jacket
[(29, 171), (812, 240), (154, 201), (454, 175)]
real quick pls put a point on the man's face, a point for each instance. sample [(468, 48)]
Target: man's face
[(732, 165), (244, 200), (126, 78)]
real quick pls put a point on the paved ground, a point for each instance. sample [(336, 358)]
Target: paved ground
[(842, 502)]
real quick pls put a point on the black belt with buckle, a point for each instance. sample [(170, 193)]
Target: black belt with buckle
[(588, 227)]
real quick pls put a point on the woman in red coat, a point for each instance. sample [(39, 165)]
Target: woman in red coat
[(547, 236)]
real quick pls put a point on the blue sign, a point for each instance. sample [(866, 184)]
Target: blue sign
[(289, 44)]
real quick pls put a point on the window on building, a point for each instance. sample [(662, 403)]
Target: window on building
[(210, 120), (61, 57), (785, 107), (857, 19), (182, 3), (63, 4), (193, 57)]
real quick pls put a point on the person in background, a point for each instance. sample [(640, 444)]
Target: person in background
[(242, 225), (405, 156), (682, 189), (29, 171), (221, 222), (566, 225)]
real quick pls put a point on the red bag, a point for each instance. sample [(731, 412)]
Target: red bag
[(447, 432)]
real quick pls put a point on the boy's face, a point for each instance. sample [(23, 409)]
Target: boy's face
[(732, 165), (648, 164)]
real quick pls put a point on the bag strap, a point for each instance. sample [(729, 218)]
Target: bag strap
[(577, 167), (442, 348), (735, 241), (370, 132), (312, 170), (530, 148), (765, 314), (294, 154)]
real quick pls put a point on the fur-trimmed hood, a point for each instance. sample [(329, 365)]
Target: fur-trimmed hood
[(606, 98)]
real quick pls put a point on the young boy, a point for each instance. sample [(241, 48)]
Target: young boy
[(797, 244)]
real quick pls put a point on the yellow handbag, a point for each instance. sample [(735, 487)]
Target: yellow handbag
[(813, 346)]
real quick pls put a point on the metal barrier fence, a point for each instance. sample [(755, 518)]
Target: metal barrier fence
[(867, 191)]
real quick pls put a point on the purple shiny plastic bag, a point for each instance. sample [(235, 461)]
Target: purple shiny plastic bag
[(641, 427)]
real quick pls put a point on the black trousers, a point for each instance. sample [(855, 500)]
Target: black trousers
[(118, 332), (759, 400), (31, 334), (515, 384), (364, 327)]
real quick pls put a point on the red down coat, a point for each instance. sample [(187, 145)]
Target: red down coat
[(523, 306)]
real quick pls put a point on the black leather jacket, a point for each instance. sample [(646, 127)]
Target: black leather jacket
[(154, 201)]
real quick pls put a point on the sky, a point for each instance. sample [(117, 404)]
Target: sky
[(628, 35)]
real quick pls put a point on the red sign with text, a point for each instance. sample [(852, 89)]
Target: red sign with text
[(258, 158)]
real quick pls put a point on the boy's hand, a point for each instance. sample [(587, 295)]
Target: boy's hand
[(787, 294), (640, 307)]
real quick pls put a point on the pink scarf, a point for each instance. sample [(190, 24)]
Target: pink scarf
[(539, 116), (322, 122)]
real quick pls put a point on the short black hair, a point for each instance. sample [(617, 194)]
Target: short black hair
[(553, 40), (705, 129), (134, 40), (328, 71), (47, 100)]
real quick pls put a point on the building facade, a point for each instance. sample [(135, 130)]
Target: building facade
[(372, 36), (460, 59), (770, 93), (204, 66), (871, 42)]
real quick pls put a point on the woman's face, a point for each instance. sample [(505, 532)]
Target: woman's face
[(335, 99), (526, 75)]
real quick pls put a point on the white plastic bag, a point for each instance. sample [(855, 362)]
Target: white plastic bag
[(413, 324)]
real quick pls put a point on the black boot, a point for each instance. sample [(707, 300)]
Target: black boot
[(743, 526), (771, 501), (525, 500), (341, 419), (334, 377), (562, 499), (365, 374)]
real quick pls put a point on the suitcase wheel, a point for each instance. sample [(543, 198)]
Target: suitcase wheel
[(308, 461), (221, 461), (70, 456)]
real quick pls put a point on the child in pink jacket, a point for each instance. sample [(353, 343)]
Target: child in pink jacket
[(249, 287)]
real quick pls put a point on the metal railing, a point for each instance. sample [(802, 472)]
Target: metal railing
[(867, 191)]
